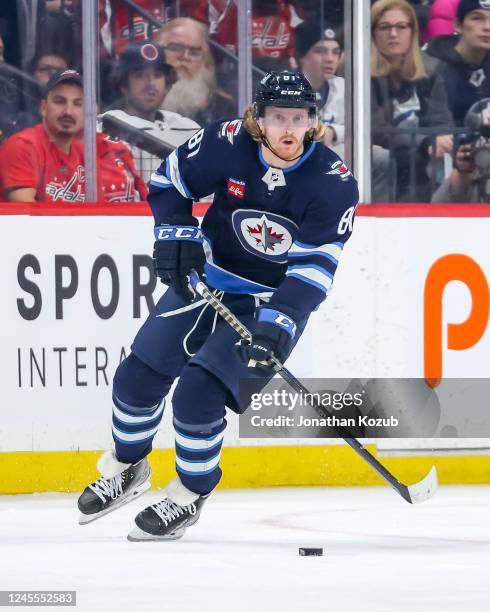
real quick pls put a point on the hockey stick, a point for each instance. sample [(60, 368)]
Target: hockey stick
[(414, 494)]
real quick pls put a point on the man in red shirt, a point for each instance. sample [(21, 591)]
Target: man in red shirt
[(45, 162)]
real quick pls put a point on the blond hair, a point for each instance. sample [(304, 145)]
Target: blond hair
[(413, 65), (250, 124)]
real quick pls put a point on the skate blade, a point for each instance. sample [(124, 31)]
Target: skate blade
[(84, 519), (138, 535)]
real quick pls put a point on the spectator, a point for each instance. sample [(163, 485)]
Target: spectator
[(467, 183), (44, 65), (319, 54), (13, 117), (470, 178), (144, 78), (46, 164), (403, 96), (272, 35), (195, 95), (119, 25), (463, 60), (441, 21), (118, 177)]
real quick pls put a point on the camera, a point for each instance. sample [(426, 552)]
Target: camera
[(478, 121)]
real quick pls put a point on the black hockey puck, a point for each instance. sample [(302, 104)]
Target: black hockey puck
[(311, 552)]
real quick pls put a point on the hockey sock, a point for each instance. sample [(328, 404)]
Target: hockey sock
[(199, 423), (138, 393)]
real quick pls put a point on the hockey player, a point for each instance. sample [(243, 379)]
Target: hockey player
[(269, 246)]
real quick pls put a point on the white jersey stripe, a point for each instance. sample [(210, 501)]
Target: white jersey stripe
[(311, 274), (331, 249), (173, 167)]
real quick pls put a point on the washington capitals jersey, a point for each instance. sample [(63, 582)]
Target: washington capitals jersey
[(273, 232)]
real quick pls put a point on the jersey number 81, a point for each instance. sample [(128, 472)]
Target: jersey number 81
[(195, 141)]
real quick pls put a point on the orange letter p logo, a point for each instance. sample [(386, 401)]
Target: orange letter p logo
[(460, 336)]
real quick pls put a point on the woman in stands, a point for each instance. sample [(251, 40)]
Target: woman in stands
[(405, 99)]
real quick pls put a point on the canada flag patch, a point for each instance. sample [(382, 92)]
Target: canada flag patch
[(236, 188), (340, 169)]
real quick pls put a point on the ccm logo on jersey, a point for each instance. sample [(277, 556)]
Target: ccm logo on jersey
[(230, 129), (174, 232), (236, 188), (340, 169)]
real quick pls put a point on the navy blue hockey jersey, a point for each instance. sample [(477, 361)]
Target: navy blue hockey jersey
[(271, 232)]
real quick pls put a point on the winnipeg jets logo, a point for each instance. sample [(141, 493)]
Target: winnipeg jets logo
[(230, 129), (340, 169), (264, 234)]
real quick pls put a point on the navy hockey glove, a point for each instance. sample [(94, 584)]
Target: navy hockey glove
[(178, 249), (273, 335)]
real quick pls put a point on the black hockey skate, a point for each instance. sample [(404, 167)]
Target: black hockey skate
[(166, 520), (109, 493)]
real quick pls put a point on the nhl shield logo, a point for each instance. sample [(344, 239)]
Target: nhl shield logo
[(266, 235)]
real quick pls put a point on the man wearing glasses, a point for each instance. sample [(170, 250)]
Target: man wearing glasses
[(196, 94)]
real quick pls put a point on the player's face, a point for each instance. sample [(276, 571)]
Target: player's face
[(393, 34), (146, 88), (475, 30), (285, 129), (62, 111), (322, 61)]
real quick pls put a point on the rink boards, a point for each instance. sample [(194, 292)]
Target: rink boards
[(76, 287)]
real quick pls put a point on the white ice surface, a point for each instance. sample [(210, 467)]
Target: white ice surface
[(380, 553)]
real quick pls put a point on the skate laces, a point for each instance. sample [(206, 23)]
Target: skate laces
[(168, 510), (108, 487)]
